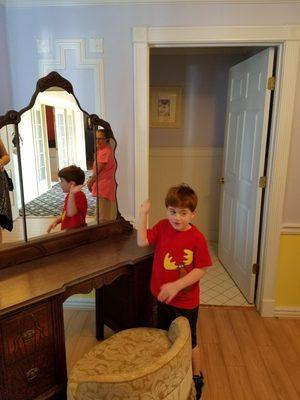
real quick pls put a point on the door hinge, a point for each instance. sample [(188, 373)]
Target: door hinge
[(255, 268), (271, 83), (262, 182)]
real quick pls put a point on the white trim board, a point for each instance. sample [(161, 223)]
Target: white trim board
[(287, 40), (40, 3), (186, 152), (290, 229), (287, 312)]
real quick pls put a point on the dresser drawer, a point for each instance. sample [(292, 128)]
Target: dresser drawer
[(32, 376), (27, 332)]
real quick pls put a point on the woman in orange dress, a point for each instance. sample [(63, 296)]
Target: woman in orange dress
[(106, 165)]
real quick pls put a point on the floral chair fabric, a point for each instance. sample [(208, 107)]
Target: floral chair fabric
[(137, 364)]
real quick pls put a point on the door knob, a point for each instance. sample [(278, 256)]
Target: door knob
[(221, 180)]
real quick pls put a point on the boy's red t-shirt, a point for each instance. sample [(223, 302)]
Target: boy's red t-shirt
[(78, 220), (175, 250)]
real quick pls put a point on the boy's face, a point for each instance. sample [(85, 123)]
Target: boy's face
[(65, 185), (180, 218)]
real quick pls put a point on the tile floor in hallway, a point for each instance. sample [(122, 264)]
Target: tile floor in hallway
[(217, 287)]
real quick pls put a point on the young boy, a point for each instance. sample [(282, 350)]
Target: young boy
[(180, 258), (75, 206)]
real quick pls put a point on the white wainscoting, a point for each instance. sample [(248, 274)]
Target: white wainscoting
[(199, 167)]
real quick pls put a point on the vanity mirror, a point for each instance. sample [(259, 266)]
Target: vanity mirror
[(51, 133)]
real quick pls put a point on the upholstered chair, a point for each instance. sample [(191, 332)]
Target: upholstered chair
[(137, 364)]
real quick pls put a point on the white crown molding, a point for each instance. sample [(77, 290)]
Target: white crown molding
[(59, 62), (55, 3)]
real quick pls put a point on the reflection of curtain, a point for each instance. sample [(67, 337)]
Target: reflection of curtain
[(5, 207)]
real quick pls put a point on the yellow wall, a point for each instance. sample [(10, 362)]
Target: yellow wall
[(288, 277)]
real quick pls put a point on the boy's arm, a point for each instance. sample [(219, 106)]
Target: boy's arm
[(71, 209), (142, 224), (54, 224), (92, 178), (169, 290)]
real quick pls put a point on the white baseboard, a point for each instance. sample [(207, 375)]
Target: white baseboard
[(266, 308), (80, 303), (287, 312)]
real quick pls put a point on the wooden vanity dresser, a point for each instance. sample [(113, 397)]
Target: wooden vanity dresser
[(35, 280)]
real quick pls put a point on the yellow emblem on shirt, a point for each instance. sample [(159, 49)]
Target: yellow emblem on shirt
[(187, 260)]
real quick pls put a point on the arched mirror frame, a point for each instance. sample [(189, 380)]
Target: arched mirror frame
[(42, 246)]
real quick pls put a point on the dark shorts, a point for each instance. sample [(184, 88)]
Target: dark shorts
[(166, 314)]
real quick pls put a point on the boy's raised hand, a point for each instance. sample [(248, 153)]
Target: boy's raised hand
[(75, 188), (145, 207)]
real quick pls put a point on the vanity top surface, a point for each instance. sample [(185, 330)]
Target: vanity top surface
[(53, 274)]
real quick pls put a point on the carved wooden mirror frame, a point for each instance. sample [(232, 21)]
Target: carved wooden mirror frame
[(44, 246)]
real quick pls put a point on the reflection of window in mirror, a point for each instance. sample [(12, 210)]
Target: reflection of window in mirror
[(54, 137)]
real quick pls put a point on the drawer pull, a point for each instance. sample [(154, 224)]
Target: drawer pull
[(28, 335), (32, 374)]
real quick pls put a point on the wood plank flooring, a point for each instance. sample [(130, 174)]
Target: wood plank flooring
[(243, 356)]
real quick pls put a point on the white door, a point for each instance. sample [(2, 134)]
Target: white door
[(247, 117)]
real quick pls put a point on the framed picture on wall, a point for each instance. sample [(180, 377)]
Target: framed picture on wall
[(165, 107)]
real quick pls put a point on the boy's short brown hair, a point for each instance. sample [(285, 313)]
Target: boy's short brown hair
[(181, 196), (72, 173)]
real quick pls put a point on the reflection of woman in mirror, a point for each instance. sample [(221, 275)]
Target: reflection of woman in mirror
[(106, 165), (5, 206)]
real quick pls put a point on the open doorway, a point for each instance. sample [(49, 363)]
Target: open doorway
[(287, 42), (187, 143)]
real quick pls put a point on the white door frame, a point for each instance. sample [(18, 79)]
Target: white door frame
[(287, 40)]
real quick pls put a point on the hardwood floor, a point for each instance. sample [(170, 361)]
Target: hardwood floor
[(243, 355)]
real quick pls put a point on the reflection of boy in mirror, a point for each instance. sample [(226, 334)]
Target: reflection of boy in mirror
[(164, 107), (75, 206), (106, 166)]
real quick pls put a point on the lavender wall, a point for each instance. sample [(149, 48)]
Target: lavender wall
[(5, 83), (114, 24), (203, 79)]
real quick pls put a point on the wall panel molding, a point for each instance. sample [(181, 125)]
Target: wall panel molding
[(200, 167), (58, 62)]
